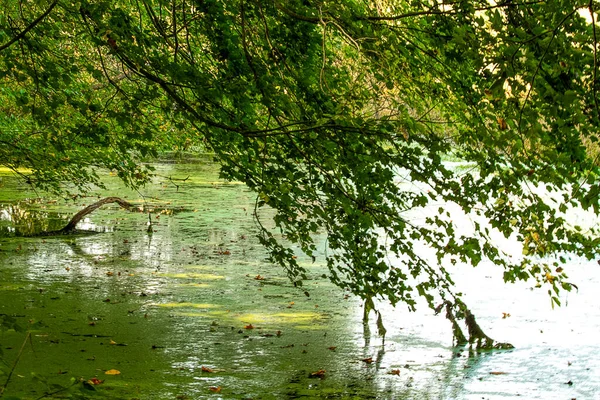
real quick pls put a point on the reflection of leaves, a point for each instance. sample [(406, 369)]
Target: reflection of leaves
[(7, 322)]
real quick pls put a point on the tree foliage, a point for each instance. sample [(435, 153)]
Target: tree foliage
[(337, 114)]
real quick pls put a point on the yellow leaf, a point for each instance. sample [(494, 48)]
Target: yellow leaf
[(113, 372)]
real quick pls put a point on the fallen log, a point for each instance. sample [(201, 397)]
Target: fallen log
[(71, 226)]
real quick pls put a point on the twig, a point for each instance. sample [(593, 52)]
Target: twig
[(15, 364)]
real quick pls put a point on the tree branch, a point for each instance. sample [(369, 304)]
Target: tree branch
[(30, 27)]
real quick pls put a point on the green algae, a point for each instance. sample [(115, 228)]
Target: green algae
[(160, 307)]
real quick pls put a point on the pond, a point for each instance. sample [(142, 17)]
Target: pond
[(194, 311)]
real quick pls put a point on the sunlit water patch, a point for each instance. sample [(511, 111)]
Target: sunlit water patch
[(193, 311)]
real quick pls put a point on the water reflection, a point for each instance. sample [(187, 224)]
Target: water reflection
[(158, 294)]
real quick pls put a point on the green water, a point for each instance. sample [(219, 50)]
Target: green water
[(193, 311)]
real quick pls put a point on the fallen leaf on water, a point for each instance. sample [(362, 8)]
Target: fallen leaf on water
[(332, 348), (367, 360), (505, 315), (498, 373), (95, 381), (112, 342), (318, 374), (249, 326), (259, 278), (394, 372), (109, 273), (215, 389), (206, 369), (113, 372)]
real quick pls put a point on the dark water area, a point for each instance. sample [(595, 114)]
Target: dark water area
[(194, 311)]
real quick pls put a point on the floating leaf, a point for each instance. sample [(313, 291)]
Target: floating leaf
[(317, 374), (95, 381), (367, 360), (206, 369), (394, 372), (113, 372), (215, 389), (249, 326), (498, 373)]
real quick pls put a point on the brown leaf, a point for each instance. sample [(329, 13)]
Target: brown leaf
[(95, 381), (498, 373), (332, 348), (394, 372), (502, 124), (318, 374), (206, 369), (367, 360), (249, 326), (215, 389)]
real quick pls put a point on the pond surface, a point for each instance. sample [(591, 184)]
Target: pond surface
[(193, 311)]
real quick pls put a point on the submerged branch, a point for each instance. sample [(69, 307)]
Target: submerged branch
[(476, 334)]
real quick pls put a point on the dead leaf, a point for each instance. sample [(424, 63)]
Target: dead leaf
[(367, 360), (215, 389), (259, 278), (318, 374), (498, 373), (206, 369), (113, 372), (505, 315), (332, 348), (95, 381), (249, 326), (394, 372), (502, 124)]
